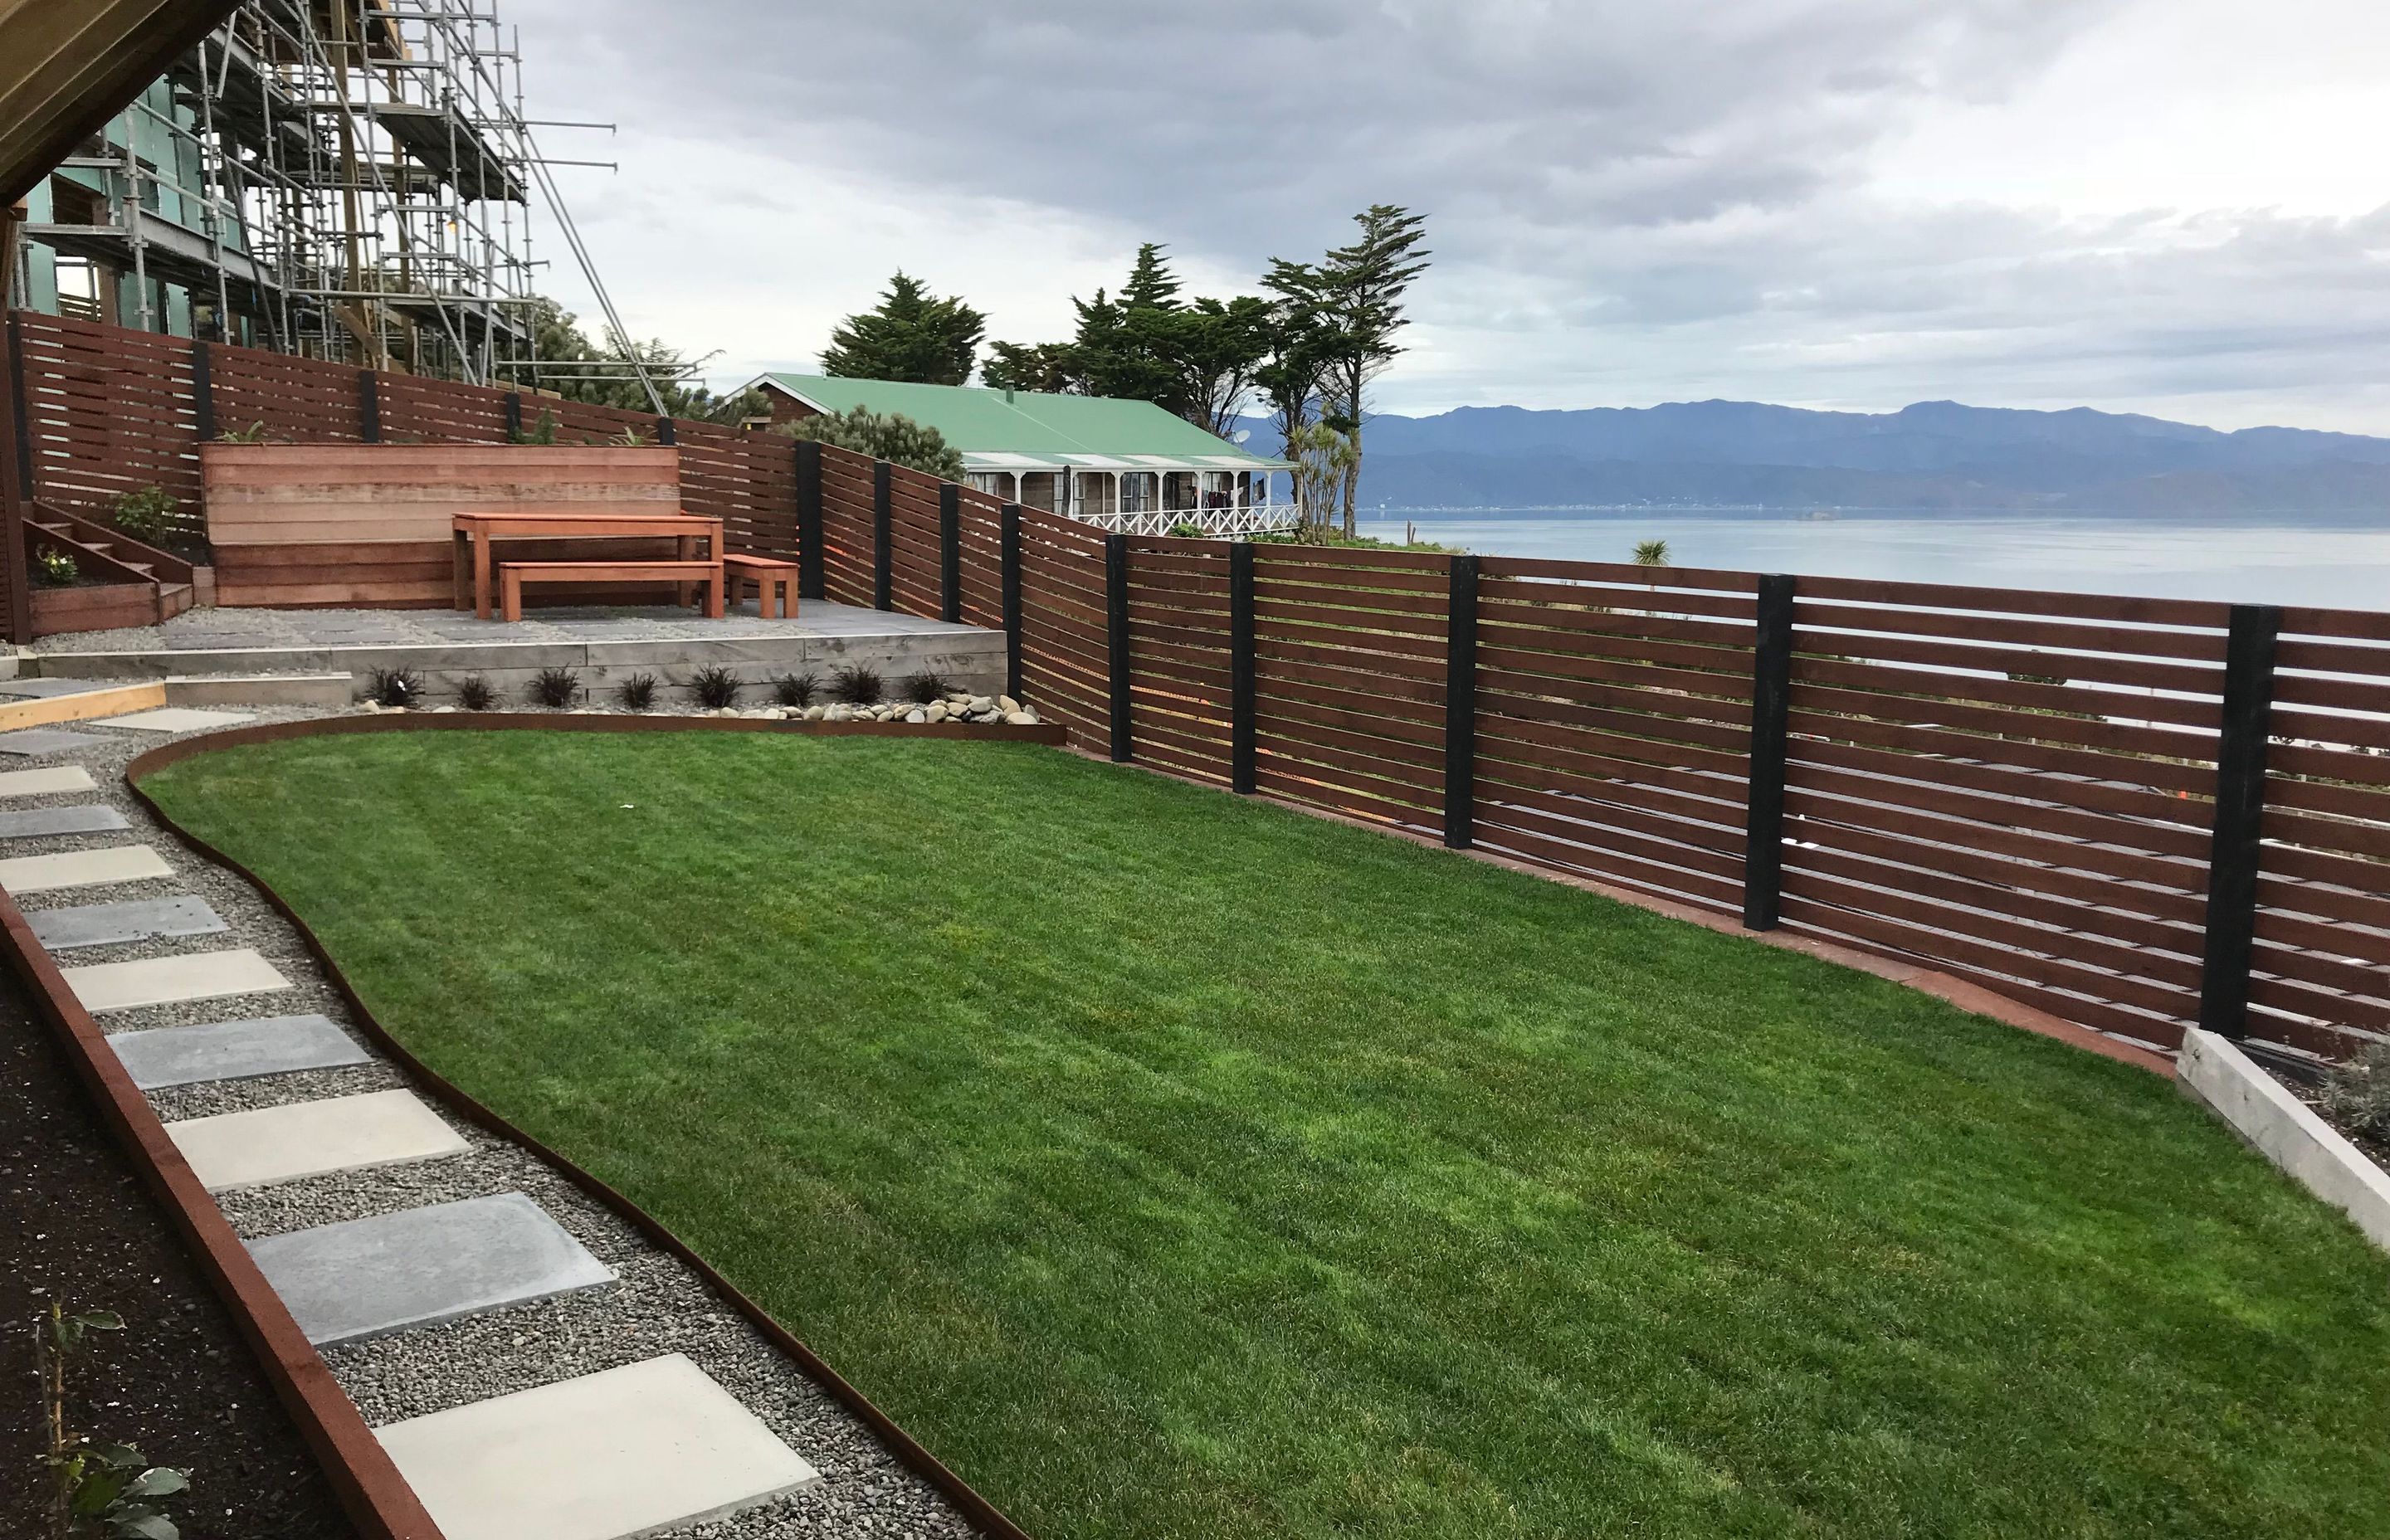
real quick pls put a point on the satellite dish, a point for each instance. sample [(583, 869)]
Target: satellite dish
[(1240, 435)]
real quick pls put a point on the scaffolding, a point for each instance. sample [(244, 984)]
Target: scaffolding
[(343, 179)]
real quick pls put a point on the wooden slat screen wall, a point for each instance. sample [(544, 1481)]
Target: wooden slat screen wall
[(2015, 788), (2320, 977), (1348, 667), (1614, 722), (1179, 661), (108, 411)]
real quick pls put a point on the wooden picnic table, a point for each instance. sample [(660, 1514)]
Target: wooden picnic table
[(473, 532)]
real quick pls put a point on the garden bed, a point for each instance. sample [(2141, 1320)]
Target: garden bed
[(178, 1382), (1178, 1166)]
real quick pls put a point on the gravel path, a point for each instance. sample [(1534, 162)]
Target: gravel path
[(659, 1306)]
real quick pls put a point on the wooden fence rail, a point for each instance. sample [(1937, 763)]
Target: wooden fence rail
[(2139, 814)]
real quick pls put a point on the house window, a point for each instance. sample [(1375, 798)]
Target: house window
[(1139, 491)]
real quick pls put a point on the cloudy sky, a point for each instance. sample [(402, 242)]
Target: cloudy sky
[(2179, 206)]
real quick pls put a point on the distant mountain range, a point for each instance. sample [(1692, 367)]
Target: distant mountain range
[(1934, 454)]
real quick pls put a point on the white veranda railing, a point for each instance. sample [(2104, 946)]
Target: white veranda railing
[(1245, 519)]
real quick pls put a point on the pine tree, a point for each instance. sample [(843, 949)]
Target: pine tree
[(1360, 293), (912, 336)]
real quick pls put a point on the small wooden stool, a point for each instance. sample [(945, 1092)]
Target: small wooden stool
[(766, 573)]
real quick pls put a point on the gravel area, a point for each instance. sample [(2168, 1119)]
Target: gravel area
[(658, 1306), (217, 628)]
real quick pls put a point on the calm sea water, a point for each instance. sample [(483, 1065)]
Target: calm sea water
[(2341, 560)]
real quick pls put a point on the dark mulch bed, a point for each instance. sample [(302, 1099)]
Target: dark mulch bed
[(177, 1384)]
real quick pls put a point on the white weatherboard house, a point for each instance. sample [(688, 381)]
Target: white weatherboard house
[(1120, 465)]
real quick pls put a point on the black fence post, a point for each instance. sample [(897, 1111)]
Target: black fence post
[(1771, 702), (883, 554), (1461, 707), (514, 417), (1116, 639), (813, 562), (2240, 813), (17, 489), (21, 412), (666, 433), (1243, 733), (369, 405), (1008, 559), (950, 551), (204, 391)]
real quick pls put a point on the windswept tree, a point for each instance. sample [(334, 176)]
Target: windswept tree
[(1289, 377), (1360, 290), (608, 374), (911, 336)]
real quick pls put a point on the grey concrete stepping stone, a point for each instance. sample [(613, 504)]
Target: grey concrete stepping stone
[(164, 981), (27, 823), (82, 868), (44, 689), (126, 919), (390, 1271), (601, 1457), (47, 740), (175, 719), (308, 1139), (234, 1050), (48, 780)]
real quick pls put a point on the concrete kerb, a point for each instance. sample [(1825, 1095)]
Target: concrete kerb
[(910, 1452), (2215, 1074), (264, 675)]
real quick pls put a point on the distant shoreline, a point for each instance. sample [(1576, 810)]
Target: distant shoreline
[(1840, 510)]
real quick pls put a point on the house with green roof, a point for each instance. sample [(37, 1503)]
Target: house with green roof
[(1123, 465)]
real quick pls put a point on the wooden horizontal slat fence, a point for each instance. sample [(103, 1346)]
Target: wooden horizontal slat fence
[(2137, 814)]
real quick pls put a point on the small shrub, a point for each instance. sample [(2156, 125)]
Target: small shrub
[(147, 513), (100, 1489), (2357, 1093), (394, 686), (1187, 529), (856, 686), (556, 687), (637, 693), (55, 569), (253, 433), (542, 431), (925, 686), (715, 686), (795, 690), (475, 694)]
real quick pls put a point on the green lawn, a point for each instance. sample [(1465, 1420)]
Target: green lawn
[(1176, 1166)]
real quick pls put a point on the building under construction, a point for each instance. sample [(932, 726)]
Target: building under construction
[(343, 179)]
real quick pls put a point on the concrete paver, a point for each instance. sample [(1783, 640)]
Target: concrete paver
[(307, 1138), (599, 1457), (234, 1050), (163, 981), (82, 868), (63, 930)]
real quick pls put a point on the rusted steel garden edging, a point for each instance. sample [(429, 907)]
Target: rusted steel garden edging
[(363, 1477), (990, 1519)]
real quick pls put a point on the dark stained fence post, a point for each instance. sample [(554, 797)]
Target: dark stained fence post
[(1771, 701), (203, 392), (1116, 639), (1461, 707), (2240, 813), (883, 505), (666, 434), (813, 562), (950, 551), (1242, 732), (1009, 559), (16, 487), (368, 406), (22, 424), (514, 417)]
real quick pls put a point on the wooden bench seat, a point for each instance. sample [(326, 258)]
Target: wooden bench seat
[(767, 574), (512, 575)]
